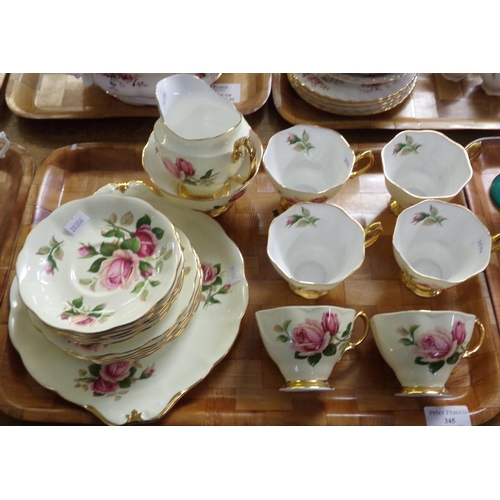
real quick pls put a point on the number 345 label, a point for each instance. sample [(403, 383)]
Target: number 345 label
[(447, 415)]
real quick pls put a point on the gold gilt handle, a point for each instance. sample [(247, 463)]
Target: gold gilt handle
[(474, 150), (495, 243), (373, 233), (480, 327), (366, 321), (368, 155), (242, 145)]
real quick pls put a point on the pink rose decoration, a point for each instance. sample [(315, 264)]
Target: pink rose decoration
[(180, 169), (148, 239), (103, 386), (435, 345), (459, 332), (330, 323), (209, 274), (84, 251), (237, 195), (80, 319), (120, 271), (115, 372), (308, 338)]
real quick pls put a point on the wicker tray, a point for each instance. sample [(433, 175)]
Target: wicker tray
[(58, 96), (435, 103), (16, 174), (243, 388)]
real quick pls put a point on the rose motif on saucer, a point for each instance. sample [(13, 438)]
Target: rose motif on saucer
[(54, 252)]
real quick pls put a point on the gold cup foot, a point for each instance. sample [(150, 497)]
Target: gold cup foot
[(419, 289), (395, 207), (423, 391), (183, 192), (215, 212), (307, 385), (285, 203), (308, 294)]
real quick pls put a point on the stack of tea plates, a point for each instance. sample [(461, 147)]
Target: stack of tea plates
[(99, 274), (353, 94), (85, 306)]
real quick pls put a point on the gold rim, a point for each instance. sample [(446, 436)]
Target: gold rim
[(423, 391), (310, 385)]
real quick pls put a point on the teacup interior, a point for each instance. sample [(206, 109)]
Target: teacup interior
[(433, 166)]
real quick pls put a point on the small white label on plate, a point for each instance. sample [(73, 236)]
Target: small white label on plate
[(231, 91), (447, 415), (76, 223), (234, 275)]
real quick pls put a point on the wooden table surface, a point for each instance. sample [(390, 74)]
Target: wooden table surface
[(41, 137)]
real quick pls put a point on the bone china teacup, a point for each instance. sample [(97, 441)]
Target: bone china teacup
[(425, 164), (307, 342), (438, 245), (315, 246), (423, 347), (201, 137), (310, 163)]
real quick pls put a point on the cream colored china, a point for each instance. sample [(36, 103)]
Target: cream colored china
[(326, 92), (310, 163), (154, 384), (307, 342), (424, 347), (134, 88), (169, 185), (124, 259), (367, 78), (316, 246), (491, 83), (166, 329), (201, 137), (439, 244), (423, 164), (6, 144)]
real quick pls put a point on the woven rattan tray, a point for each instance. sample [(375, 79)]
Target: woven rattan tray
[(16, 174), (243, 388), (59, 96), (435, 103)]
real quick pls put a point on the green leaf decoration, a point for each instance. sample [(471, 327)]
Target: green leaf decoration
[(278, 328), (286, 324), (299, 356), (99, 307), (330, 350), (96, 265), (125, 383), (94, 369), (305, 136), (43, 251), (436, 366), (143, 221), (454, 358), (107, 249), (406, 342), (113, 218), (207, 175), (413, 329), (299, 147), (282, 338), (144, 294), (154, 283), (347, 330), (78, 303), (133, 244), (138, 287), (109, 234), (158, 232), (314, 359), (127, 219), (418, 361)]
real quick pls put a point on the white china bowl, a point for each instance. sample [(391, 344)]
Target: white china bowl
[(124, 259)]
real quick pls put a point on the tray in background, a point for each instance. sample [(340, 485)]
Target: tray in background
[(435, 103), (16, 174), (61, 96), (243, 388)]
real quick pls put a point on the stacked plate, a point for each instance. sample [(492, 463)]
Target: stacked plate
[(99, 275), (353, 94)]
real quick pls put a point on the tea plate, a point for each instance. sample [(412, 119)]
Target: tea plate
[(145, 390), (124, 259)]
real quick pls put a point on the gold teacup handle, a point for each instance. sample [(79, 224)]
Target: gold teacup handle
[(240, 146), (364, 317), (480, 327), (474, 150), (359, 157), (495, 243), (373, 233)]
